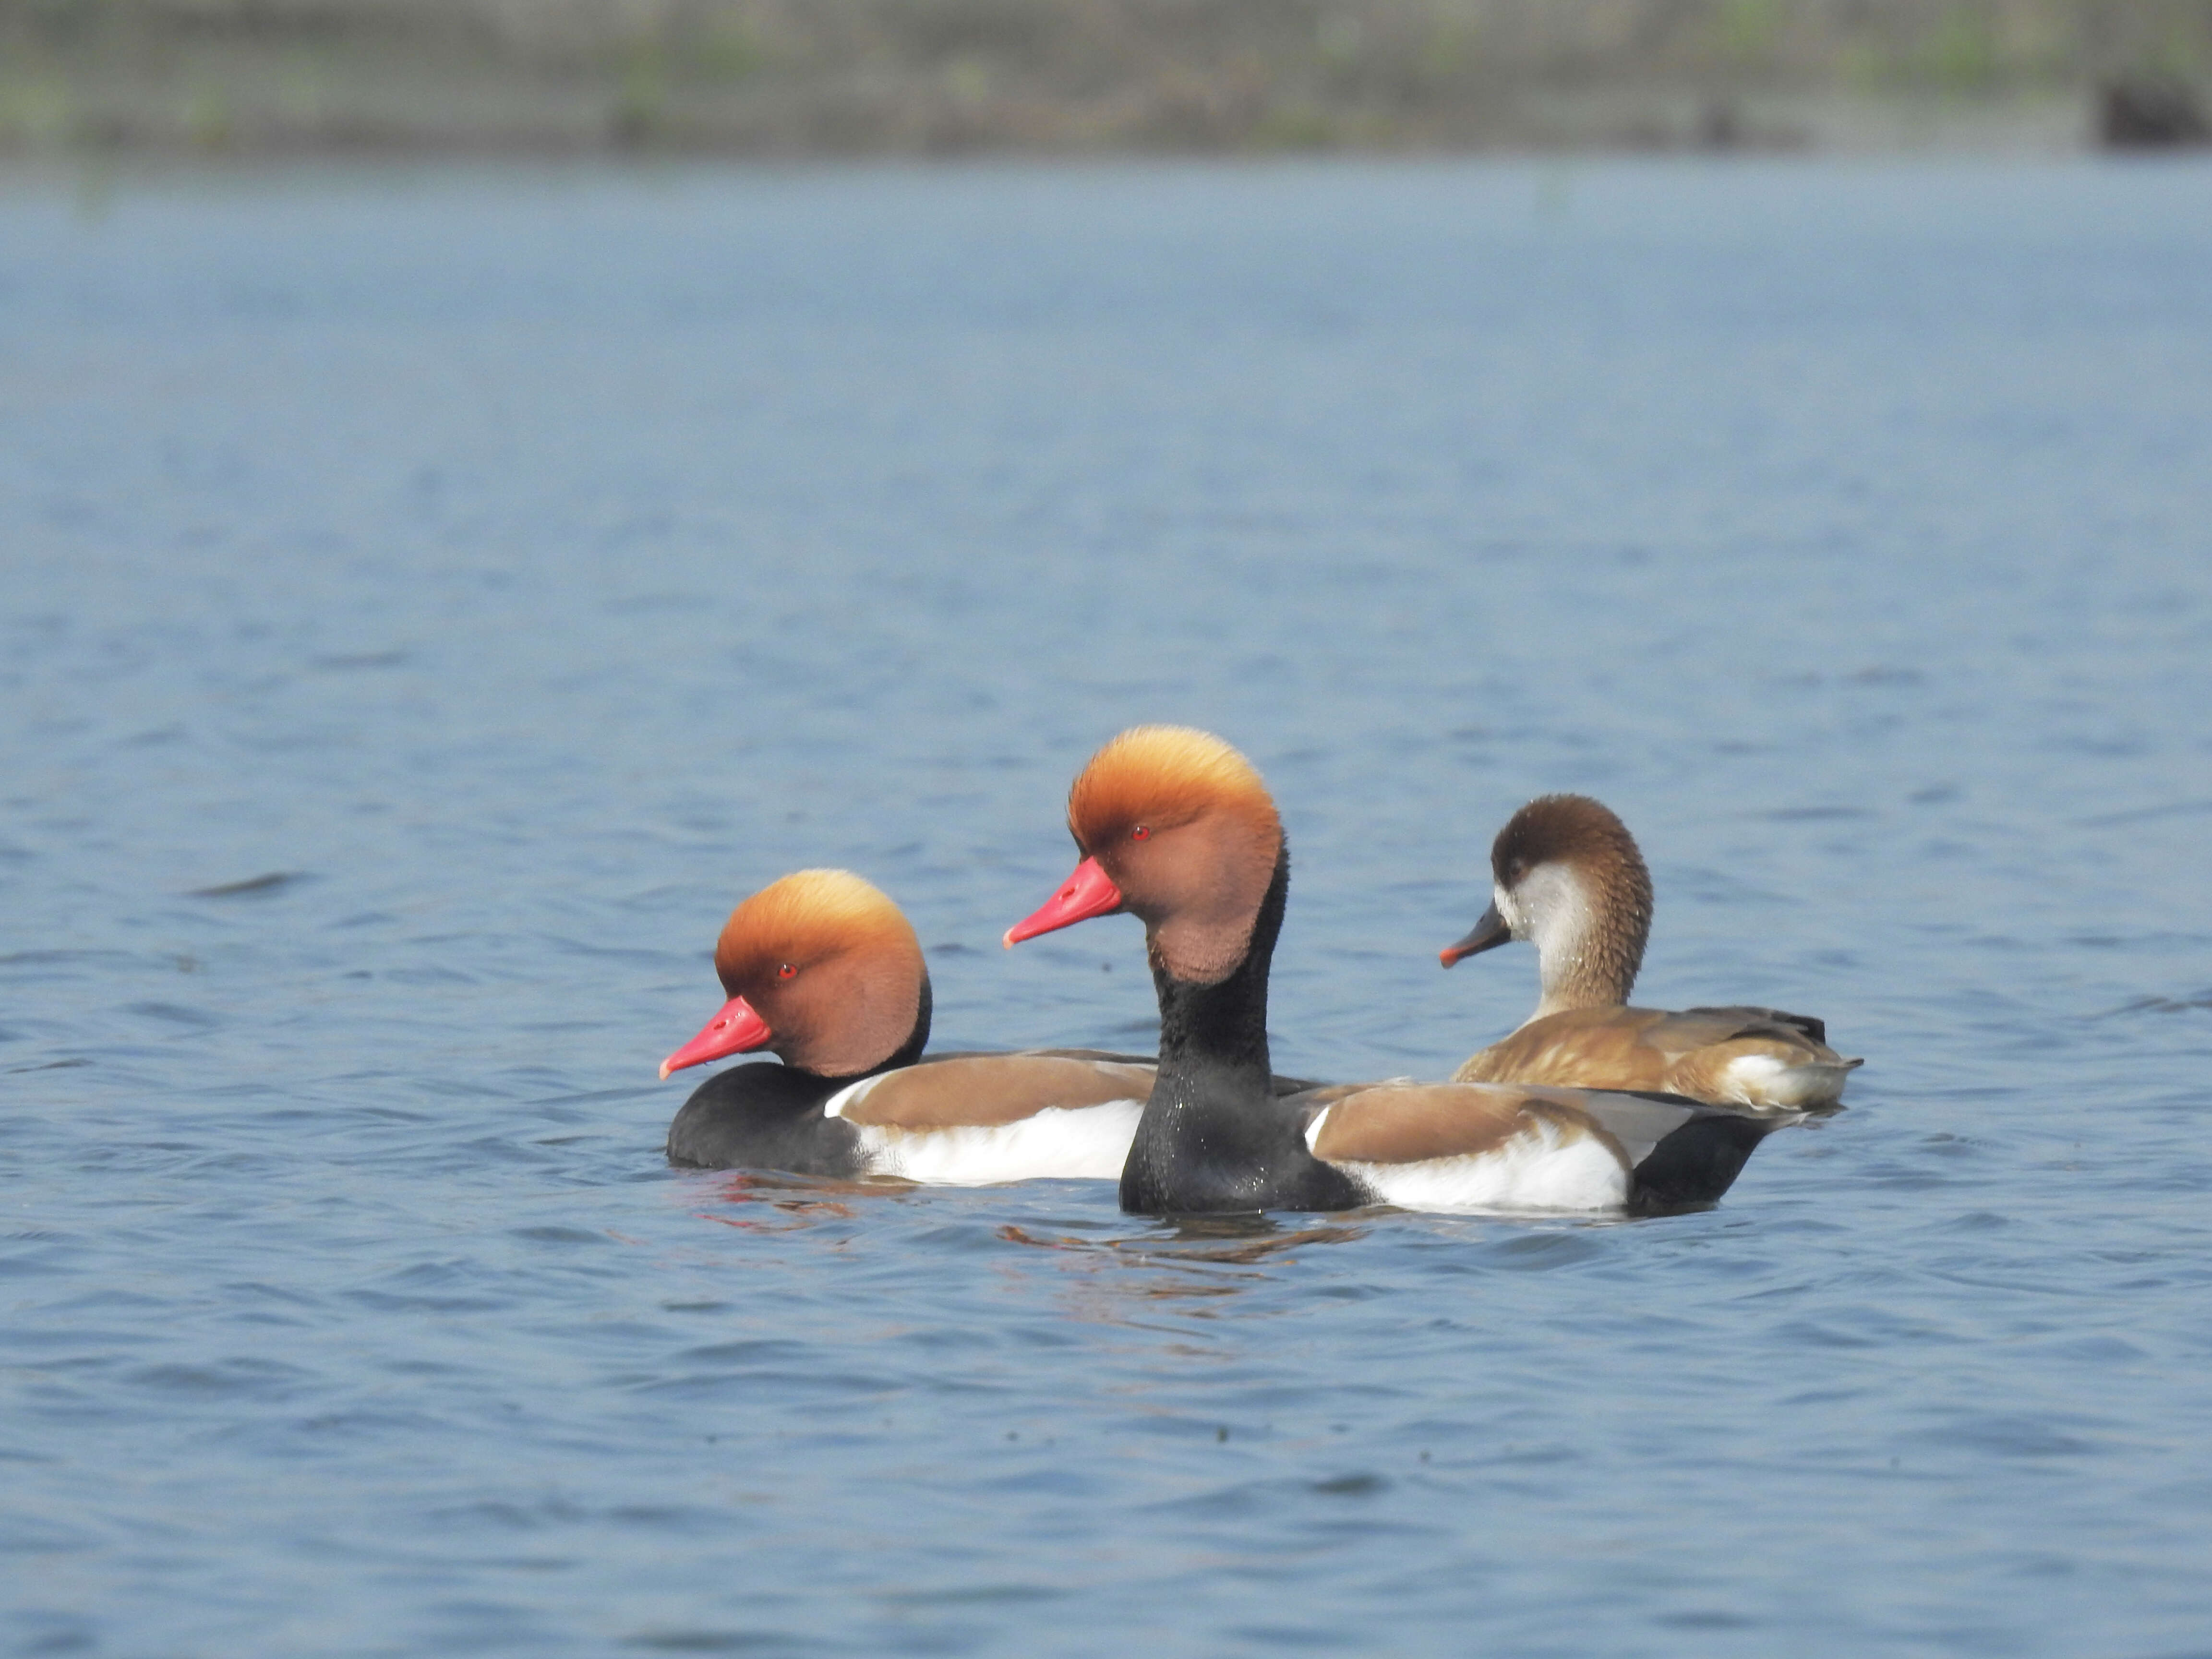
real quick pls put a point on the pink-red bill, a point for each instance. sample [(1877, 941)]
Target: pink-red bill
[(735, 1031), (1089, 892)]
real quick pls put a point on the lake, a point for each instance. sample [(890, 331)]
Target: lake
[(432, 598)]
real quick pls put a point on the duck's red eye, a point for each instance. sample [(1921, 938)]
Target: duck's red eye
[(786, 972), (1140, 833)]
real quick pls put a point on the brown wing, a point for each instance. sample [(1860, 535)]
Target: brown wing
[(1687, 1053), (1411, 1122), (984, 1090), (1583, 1048), (1801, 1031)]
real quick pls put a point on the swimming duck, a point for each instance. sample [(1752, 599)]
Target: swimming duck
[(1569, 879), (1176, 827), (824, 970)]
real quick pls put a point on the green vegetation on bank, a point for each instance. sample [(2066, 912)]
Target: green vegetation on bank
[(891, 76)]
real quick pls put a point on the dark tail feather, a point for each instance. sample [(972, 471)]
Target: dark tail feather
[(1692, 1166)]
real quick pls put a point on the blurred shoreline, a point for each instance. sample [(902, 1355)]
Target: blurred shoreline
[(800, 79)]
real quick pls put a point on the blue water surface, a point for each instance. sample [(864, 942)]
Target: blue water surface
[(431, 599)]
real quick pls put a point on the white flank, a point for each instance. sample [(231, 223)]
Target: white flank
[(1087, 1143), (1538, 1169)]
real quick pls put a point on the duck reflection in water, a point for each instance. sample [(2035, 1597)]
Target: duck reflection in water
[(1224, 1238), (799, 1201), (1201, 1268)]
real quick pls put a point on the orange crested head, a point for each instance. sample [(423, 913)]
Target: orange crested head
[(807, 917), (1161, 777), (822, 968), (1178, 829)]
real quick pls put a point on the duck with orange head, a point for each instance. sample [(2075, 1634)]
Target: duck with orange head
[(1176, 827), (823, 969)]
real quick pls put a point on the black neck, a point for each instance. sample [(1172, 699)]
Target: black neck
[(1222, 1028), (1213, 1138)]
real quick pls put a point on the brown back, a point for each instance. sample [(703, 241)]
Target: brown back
[(988, 1090)]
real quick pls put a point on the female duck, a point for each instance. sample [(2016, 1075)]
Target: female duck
[(823, 970), (1175, 828), (1568, 876)]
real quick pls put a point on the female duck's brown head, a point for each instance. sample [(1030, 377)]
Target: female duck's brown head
[(820, 967), (1176, 828), (1567, 876)]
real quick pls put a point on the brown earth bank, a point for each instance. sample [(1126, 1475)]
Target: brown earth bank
[(829, 77)]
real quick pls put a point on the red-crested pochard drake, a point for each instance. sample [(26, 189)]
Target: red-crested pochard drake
[(1568, 877), (824, 970), (1175, 827)]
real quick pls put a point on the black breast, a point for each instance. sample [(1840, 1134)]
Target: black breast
[(764, 1116)]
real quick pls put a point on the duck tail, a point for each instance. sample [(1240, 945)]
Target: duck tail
[(1699, 1161), (1769, 1081), (1810, 1084)]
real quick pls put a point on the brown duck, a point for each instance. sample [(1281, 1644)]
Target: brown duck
[(1569, 880)]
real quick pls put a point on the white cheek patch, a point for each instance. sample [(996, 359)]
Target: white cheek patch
[(1540, 1170), (1553, 910), (1509, 909), (1083, 1143), (1555, 916)]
